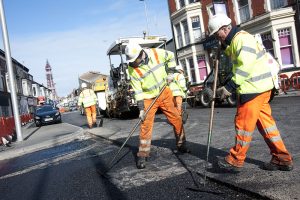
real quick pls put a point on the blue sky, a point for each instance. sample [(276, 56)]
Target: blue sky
[(74, 34)]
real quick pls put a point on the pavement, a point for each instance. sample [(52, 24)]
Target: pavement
[(38, 138), (252, 179)]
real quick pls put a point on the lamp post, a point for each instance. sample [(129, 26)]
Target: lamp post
[(10, 74), (146, 14)]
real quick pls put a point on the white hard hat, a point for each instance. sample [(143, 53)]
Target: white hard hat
[(83, 85), (132, 51), (217, 21), (179, 67)]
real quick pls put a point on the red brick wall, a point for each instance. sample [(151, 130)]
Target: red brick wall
[(172, 6), (258, 7)]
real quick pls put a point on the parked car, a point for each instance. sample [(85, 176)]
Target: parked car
[(46, 114)]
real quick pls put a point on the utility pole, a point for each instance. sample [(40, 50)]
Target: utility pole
[(11, 76), (146, 14)]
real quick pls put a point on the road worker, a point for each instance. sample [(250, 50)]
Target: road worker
[(88, 100), (252, 81), (149, 71), (178, 87)]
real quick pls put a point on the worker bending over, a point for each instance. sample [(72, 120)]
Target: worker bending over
[(149, 71)]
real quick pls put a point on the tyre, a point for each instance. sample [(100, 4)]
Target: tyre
[(38, 124), (232, 100), (206, 97)]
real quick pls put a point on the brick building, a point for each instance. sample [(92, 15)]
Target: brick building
[(277, 21)]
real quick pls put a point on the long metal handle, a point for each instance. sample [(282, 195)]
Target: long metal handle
[(212, 111), (135, 127)]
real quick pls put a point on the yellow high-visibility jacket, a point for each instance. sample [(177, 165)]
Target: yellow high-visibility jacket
[(148, 78), (87, 97), (178, 85), (251, 73)]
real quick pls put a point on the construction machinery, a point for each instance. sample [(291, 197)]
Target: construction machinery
[(97, 82), (204, 95), (120, 100)]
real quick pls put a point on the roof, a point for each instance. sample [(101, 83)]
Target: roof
[(147, 41), (91, 76)]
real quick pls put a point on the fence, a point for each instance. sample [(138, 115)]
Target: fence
[(7, 124), (290, 82)]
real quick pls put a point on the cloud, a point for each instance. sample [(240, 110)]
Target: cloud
[(73, 52)]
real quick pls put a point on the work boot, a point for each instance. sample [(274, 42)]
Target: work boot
[(183, 149), (141, 162), (274, 167), (223, 164)]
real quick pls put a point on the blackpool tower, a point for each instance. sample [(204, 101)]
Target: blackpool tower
[(49, 77)]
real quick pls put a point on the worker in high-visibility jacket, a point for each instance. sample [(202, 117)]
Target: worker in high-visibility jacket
[(253, 82), (88, 100), (178, 87), (148, 74)]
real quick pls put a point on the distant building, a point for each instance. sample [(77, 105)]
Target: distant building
[(49, 78)]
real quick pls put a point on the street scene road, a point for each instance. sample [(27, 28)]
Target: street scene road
[(74, 170)]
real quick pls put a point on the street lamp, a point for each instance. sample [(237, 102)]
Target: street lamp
[(146, 14)]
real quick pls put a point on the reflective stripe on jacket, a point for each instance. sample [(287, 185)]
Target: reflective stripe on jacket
[(178, 85), (87, 97), (148, 78), (251, 72)]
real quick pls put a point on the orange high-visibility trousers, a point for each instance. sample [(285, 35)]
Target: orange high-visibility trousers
[(166, 104), (178, 103), (91, 115), (257, 112)]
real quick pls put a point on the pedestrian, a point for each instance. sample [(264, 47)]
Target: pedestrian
[(178, 87), (149, 71), (88, 100), (252, 81)]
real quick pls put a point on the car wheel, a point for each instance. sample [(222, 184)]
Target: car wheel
[(206, 97), (38, 124)]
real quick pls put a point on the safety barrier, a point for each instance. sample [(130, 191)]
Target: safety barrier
[(286, 83), (7, 124)]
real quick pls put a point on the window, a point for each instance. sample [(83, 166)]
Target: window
[(179, 36), (192, 69), (196, 27), (202, 67), (268, 42), (193, 1), (286, 47), (34, 91), (210, 9), (1, 83), (181, 3), (183, 64), (186, 32), (276, 4), (244, 10)]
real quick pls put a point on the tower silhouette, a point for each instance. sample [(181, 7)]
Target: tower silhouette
[(49, 77)]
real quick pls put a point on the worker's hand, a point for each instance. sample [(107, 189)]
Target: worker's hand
[(142, 115), (170, 78), (222, 93)]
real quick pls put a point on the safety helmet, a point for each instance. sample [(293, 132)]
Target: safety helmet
[(132, 51), (217, 21), (83, 85), (179, 67)]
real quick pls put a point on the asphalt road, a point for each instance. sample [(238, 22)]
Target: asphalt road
[(71, 171)]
